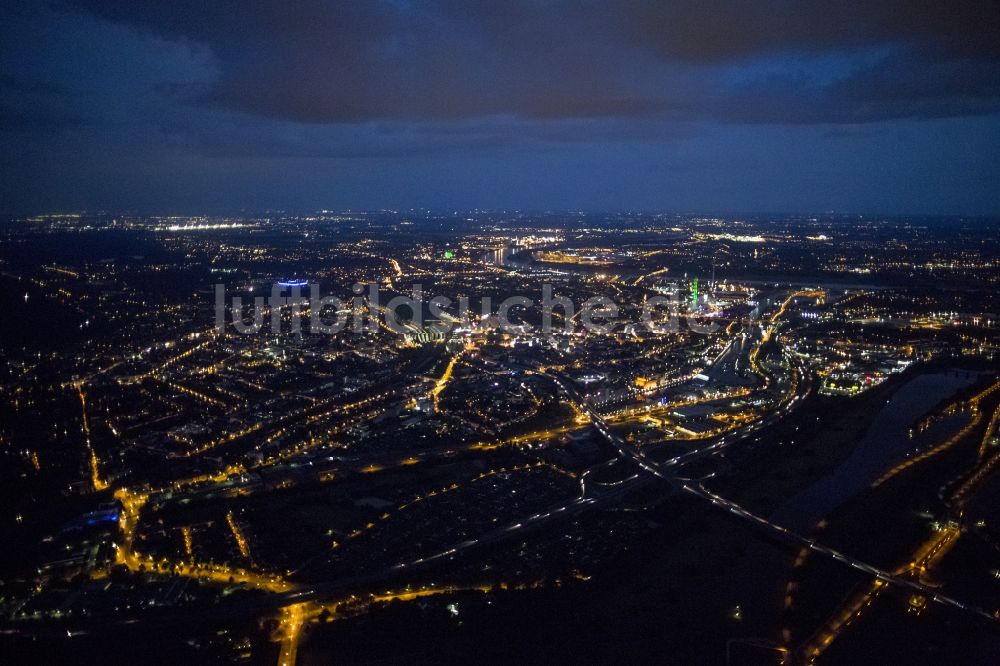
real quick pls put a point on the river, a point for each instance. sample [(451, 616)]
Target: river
[(886, 442)]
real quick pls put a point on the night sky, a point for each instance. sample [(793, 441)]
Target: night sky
[(187, 106)]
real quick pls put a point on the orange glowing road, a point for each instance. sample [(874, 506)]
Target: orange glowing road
[(241, 541), (770, 330), (983, 470), (95, 476), (126, 554), (926, 556), (930, 552), (805, 293), (188, 541), (294, 617), (443, 380), (951, 441)]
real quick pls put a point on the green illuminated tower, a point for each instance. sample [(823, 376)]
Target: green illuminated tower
[(694, 294)]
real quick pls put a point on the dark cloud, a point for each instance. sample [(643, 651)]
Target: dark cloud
[(355, 61), (324, 62), (30, 105), (722, 30), (902, 85), (768, 104)]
